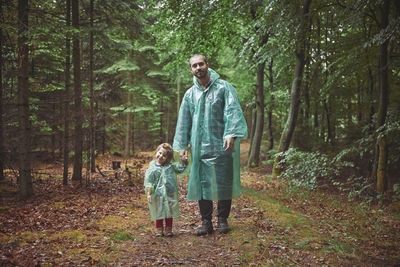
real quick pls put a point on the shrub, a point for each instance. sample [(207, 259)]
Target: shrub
[(306, 169)]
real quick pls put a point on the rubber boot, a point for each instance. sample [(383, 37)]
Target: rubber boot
[(223, 226), (168, 231), (206, 228), (160, 231)]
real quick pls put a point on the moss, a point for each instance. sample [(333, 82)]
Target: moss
[(132, 219), (76, 236)]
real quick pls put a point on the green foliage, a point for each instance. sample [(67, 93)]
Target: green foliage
[(122, 235), (356, 188), (306, 169)]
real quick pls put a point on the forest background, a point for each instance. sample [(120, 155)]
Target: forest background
[(318, 82), (81, 78)]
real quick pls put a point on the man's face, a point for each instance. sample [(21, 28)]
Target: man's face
[(198, 67)]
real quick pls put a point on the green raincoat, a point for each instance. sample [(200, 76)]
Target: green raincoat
[(163, 183), (206, 118)]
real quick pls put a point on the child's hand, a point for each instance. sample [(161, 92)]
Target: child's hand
[(149, 198)]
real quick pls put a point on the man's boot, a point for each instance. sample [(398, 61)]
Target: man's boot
[(223, 226), (206, 228)]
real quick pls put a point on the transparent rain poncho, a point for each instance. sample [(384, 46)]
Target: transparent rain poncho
[(162, 180), (206, 118)]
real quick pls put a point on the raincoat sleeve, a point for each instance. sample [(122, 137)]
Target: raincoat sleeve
[(150, 179), (183, 126), (235, 123)]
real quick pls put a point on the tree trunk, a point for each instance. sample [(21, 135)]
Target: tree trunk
[(161, 134), (128, 128), (133, 134), (253, 126), (371, 95), (1, 100), (382, 181), (287, 133), (178, 93), (254, 157), (328, 123), (78, 135), (271, 106), (25, 178), (67, 93), (92, 136), (103, 126)]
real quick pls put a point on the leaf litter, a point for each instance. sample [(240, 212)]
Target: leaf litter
[(106, 222)]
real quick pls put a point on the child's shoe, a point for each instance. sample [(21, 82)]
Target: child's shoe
[(160, 231), (168, 231)]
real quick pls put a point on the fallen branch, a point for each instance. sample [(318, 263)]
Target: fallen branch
[(102, 174)]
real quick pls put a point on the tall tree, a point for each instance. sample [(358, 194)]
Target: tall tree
[(254, 157), (25, 178), (67, 93), (92, 136), (296, 85), (382, 154), (76, 61), (1, 97), (271, 105)]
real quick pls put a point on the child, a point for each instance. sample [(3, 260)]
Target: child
[(161, 188)]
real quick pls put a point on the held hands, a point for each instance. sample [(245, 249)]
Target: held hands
[(183, 156), (229, 143), (149, 198)]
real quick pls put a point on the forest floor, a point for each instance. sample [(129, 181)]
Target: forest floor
[(106, 223)]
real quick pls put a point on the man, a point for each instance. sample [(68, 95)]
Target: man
[(211, 121)]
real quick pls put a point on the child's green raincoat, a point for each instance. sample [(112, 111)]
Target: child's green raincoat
[(206, 118), (164, 189)]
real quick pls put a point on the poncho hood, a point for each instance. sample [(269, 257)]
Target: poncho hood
[(214, 77)]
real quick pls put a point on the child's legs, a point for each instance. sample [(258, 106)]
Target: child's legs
[(159, 223), (168, 222)]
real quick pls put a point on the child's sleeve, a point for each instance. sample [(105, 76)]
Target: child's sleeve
[(149, 180)]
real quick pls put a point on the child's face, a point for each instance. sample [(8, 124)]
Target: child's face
[(161, 156)]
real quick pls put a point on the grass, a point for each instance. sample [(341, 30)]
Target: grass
[(122, 235)]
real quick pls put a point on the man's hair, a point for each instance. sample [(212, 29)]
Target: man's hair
[(170, 152), (198, 55)]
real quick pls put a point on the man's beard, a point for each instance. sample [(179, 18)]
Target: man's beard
[(201, 74)]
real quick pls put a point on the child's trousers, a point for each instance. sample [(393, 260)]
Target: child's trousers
[(168, 222)]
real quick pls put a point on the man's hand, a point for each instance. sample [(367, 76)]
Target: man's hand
[(229, 143), (183, 156), (149, 198)]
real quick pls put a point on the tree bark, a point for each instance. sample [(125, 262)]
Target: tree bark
[(78, 134), (92, 137), (254, 157), (271, 106), (287, 133), (382, 180), (67, 93), (25, 178), (328, 122), (1, 100), (128, 128)]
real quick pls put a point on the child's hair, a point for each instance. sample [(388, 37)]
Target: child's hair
[(170, 152)]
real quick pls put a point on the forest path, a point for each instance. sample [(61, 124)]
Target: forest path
[(108, 224)]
